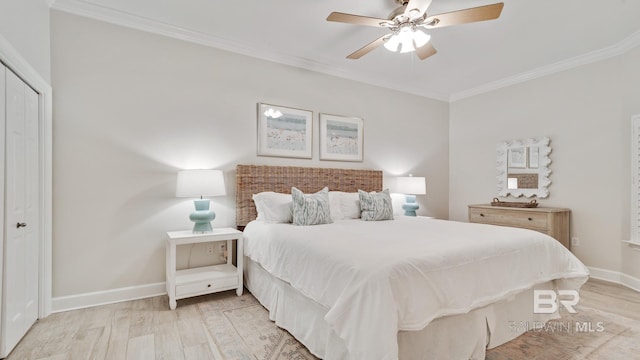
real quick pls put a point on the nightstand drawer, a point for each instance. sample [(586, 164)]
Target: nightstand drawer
[(529, 220), (205, 285)]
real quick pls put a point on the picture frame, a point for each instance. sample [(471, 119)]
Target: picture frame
[(284, 131), (341, 138), (517, 157)]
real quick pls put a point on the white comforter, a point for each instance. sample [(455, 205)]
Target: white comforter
[(377, 278)]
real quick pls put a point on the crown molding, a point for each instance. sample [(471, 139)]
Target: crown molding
[(117, 17), (630, 42)]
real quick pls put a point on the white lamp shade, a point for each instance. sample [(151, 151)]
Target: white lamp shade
[(392, 43), (195, 183), (421, 39), (411, 185)]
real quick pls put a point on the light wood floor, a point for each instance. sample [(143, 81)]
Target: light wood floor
[(613, 298), (147, 329)]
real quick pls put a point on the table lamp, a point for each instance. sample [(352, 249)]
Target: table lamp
[(194, 183), (411, 186)]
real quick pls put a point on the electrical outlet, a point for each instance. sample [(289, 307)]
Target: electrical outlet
[(222, 252), (210, 249), (575, 241)]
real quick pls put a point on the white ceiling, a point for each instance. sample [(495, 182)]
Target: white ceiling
[(530, 38)]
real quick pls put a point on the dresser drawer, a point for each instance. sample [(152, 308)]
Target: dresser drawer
[(529, 220), (205, 286), (551, 221)]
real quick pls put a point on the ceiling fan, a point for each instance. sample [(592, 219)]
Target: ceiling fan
[(405, 21)]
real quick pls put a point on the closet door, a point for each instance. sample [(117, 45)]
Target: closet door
[(3, 111), (31, 216), (20, 285)]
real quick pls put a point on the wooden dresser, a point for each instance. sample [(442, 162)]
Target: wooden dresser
[(550, 221)]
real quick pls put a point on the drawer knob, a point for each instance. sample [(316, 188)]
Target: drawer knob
[(530, 219), (481, 214), (208, 285)]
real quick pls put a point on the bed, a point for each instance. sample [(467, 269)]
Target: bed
[(410, 288)]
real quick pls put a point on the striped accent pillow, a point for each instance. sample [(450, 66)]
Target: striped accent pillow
[(311, 209), (376, 205)]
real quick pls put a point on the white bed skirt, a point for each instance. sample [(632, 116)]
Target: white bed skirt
[(464, 336)]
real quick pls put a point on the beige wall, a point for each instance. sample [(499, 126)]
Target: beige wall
[(25, 24), (131, 108), (586, 113)]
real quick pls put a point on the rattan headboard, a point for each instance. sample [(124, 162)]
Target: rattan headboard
[(252, 179)]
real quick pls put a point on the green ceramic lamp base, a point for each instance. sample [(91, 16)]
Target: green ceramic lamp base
[(410, 206), (202, 217)]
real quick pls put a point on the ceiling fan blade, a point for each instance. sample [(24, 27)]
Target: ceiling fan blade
[(481, 13), (355, 19), (425, 51), (367, 48), (419, 5)]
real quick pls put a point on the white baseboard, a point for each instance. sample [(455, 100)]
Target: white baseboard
[(80, 301), (615, 277)]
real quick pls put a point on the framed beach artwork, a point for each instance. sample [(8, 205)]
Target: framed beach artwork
[(341, 138), (518, 157), (284, 131)]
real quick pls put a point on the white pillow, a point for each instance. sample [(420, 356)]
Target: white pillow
[(344, 205), (274, 207), (334, 205), (350, 205)]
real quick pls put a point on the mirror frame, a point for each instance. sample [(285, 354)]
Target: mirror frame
[(543, 167)]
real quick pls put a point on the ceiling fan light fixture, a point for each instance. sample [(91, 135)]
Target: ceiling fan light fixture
[(420, 38), (405, 37), (411, 38), (392, 43), (407, 45), (406, 40)]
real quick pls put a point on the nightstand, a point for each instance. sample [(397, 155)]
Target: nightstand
[(206, 279)]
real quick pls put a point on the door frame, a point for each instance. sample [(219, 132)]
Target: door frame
[(12, 59)]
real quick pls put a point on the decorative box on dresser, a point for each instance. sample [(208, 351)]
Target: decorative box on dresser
[(551, 221)]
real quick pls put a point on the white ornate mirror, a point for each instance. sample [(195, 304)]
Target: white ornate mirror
[(523, 167)]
